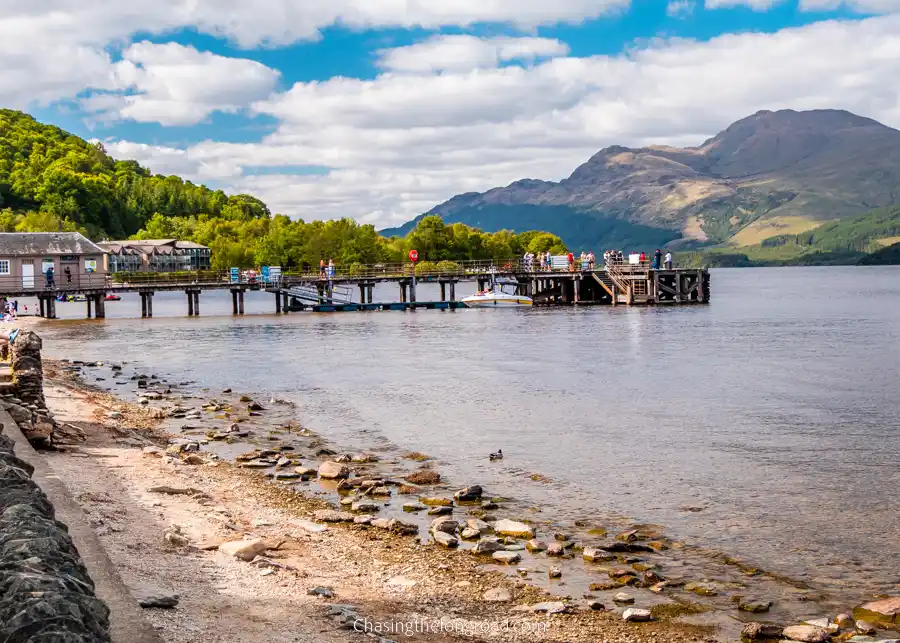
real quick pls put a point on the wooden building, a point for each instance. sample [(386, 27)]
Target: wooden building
[(77, 262)]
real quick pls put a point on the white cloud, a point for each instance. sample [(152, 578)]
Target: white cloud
[(52, 49), (680, 8), (861, 6), (465, 52), (399, 144), (173, 84), (756, 5)]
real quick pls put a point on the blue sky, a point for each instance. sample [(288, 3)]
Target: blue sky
[(360, 108)]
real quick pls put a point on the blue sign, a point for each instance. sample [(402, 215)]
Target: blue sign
[(235, 275), (265, 274)]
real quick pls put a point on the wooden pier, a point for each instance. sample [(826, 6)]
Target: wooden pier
[(612, 285)]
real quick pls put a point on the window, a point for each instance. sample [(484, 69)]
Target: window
[(4, 266)]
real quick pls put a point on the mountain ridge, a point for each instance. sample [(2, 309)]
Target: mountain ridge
[(802, 166)]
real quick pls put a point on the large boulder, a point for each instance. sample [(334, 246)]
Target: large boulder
[(885, 611), (333, 470)]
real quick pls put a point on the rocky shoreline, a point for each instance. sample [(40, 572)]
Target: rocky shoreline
[(633, 574)]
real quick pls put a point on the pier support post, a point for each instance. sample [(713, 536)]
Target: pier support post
[(240, 302), (654, 288), (196, 302), (443, 291), (412, 289), (41, 306), (190, 297), (402, 292), (677, 287), (452, 291), (89, 300), (149, 295), (144, 304), (362, 293), (277, 302), (234, 307), (701, 294), (577, 287), (51, 307), (630, 296), (100, 307), (320, 293)]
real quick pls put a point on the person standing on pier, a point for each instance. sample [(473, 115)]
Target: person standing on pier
[(657, 259), (51, 283), (571, 259), (668, 261), (322, 268), (591, 259)]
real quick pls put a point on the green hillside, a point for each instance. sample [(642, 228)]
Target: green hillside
[(847, 241), (51, 180)]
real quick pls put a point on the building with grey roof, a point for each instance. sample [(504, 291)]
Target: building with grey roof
[(26, 257)]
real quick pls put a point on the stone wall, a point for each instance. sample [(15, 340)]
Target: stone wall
[(26, 402), (46, 595)]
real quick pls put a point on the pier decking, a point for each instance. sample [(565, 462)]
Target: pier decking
[(611, 285)]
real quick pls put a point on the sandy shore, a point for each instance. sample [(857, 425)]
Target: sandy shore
[(397, 587)]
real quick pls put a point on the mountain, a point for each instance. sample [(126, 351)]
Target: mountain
[(768, 174)]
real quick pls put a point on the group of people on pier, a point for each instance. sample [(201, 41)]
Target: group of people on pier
[(544, 261), (613, 257)]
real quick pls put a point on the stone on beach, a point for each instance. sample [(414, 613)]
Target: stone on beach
[(440, 511), (508, 527), (633, 615), (480, 525), (761, 631), (555, 549), (487, 546), (245, 550), (593, 555), (148, 596), (446, 525), (445, 539), (755, 607), (469, 494), (623, 599), (330, 515), (333, 470), (436, 502), (506, 557), (806, 633), (535, 545), (412, 507), (885, 611), (498, 595), (424, 476), (469, 534)]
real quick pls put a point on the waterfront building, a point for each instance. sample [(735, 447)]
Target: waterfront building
[(156, 255), (25, 258)]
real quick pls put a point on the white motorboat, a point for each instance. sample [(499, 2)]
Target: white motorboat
[(494, 297)]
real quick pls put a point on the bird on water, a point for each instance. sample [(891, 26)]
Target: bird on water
[(496, 456)]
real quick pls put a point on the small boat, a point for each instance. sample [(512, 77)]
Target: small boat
[(493, 457), (494, 297), (112, 297)]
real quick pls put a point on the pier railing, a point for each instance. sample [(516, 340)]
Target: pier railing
[(425, 270)]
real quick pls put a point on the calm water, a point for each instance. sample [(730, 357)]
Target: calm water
[(775, 408)]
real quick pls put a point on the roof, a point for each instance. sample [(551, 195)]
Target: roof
[(150, 246), (28, 244)]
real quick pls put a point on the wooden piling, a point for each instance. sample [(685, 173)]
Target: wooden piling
[(89, 300)]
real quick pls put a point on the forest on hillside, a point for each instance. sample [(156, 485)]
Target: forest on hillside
[(841, 242), (51, 180)]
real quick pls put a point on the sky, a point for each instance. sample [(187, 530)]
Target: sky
[(379, 110)]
